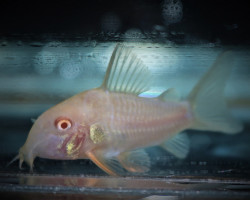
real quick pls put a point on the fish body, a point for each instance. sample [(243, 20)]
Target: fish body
[(112, 125), (130, 122)]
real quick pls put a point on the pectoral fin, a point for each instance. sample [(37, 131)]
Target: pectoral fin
[(136, 161), (108, 164), (178, 145)]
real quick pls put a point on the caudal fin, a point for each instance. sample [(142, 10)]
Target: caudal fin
[(207, 100)]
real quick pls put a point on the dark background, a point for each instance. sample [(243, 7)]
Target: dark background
[(224, 19)]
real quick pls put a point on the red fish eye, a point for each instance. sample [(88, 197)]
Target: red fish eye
[(63, 124)]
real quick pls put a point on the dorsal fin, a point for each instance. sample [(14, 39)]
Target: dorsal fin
[(126, 73), (170, 95)]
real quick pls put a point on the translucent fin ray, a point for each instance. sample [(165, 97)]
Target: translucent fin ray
[(108, 164), (179, 145), (136, 161), (126, 73)]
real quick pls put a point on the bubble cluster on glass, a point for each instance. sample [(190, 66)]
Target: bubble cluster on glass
[(172, 11)]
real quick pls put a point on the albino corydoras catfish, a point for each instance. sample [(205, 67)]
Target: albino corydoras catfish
[(112, 125)]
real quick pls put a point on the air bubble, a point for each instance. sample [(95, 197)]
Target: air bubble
[(172, 11), (70, 69), (45, 62), (133, 33)]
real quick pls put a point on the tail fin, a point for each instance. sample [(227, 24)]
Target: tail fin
[(207, 101)]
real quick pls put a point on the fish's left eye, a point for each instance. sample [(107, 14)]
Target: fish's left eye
[(63, 124)]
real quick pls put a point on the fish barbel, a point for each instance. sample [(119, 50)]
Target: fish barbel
[(112, 125)]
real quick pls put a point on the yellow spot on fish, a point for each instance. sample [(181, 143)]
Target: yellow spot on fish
[(70, 147), (96, 134)]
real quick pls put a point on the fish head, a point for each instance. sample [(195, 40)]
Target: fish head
[(59, 133)]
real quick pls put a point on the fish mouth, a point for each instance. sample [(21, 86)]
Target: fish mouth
[(69, 149)]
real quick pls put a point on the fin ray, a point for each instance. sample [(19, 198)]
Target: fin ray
[(179, 145), (136, 161), (126, 73), (108, 164)]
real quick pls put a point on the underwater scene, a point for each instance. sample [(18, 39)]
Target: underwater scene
[(125, 100)]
